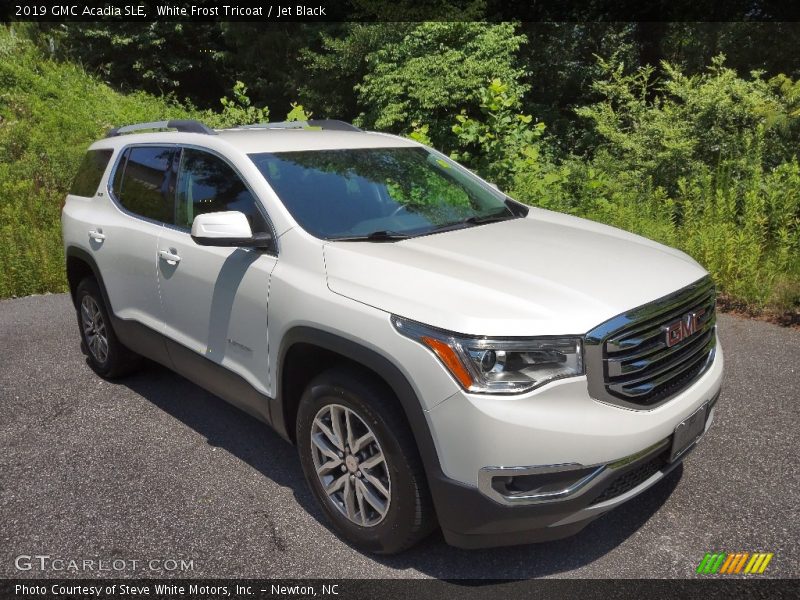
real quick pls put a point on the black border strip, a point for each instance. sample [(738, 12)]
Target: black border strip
[(403, 10), (709, 588)]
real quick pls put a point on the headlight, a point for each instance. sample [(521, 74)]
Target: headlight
[(499, 366)]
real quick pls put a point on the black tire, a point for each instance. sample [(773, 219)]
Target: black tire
[(117, 360), (410, 515)]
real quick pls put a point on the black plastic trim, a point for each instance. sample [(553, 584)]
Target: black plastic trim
[(83, 255), (257, 240), (372, 360), (218, 380), (143, 340)]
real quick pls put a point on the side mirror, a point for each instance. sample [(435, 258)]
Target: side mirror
[(227, 229)]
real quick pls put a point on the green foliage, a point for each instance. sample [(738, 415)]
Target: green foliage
[(706, 163), (320, 63), (501, 142), (665, 130), (332, 70), (700, 158), (49, 113), (298, 113), (421, 133), (238, 110), (434, 70), (163, 57)]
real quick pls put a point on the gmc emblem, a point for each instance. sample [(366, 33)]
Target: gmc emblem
[(685, 327)]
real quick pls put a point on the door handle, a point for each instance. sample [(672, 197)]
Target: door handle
[(97, 236), (169, 256)]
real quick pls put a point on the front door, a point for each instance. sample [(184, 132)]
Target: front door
[(215, 299)]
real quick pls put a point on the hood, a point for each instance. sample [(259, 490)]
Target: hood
[(546, 274)]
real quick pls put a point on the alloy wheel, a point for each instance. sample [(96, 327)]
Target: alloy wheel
[(94, 328), (350, 465)]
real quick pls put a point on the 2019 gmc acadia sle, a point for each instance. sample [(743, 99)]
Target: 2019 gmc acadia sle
[(439, 353)]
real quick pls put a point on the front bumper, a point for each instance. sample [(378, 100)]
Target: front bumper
[(557, 425), (473, 520)]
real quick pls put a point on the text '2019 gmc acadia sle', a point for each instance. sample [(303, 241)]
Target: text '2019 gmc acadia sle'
[(439, 353)]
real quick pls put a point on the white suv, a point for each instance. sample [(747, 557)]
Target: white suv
[(438, 352)]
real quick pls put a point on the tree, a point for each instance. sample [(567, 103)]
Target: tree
[(434, 70), (163, 57)]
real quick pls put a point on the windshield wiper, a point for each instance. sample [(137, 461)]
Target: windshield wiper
[(376, 236), (475, 220)]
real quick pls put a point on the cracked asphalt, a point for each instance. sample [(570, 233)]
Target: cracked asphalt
[(152, 468)]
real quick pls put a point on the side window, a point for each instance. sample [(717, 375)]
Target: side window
[(144, 182), (208, 184), (90, 173)]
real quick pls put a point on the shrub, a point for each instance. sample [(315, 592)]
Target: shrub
[(502, 141)]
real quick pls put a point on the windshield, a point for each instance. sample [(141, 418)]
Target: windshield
[(386, 192)]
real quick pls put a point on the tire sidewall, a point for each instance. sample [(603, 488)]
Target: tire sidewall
[(391, 534)]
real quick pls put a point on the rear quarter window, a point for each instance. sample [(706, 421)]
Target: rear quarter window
[(90, 173), (144, 182)]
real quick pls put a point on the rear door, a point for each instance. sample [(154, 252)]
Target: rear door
[(125, 244), (215, 299)]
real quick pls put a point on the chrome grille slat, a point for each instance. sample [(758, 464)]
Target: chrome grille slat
[(625, 343), (618, 342), (667, 371), (643, 345), (640, 362), (628, 361), (649, 386)]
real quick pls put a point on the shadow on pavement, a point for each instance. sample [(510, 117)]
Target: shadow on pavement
[(255, 443)]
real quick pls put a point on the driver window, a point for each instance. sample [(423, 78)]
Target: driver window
[(206, 183)]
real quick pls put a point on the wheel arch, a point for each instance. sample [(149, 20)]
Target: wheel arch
[(326, 349), (81, 264)]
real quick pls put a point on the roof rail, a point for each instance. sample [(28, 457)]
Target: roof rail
[(329, 124), (183, 125)]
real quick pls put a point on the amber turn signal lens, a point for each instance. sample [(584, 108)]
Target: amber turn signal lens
[(450, 359)]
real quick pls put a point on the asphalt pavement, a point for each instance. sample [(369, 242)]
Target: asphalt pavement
[(166, 479)]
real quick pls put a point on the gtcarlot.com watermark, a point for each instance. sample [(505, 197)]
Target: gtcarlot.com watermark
[(45, 563)]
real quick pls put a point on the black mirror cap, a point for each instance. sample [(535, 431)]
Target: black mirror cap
[(258, 240)]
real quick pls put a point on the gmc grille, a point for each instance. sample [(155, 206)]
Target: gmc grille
[(629, 361)]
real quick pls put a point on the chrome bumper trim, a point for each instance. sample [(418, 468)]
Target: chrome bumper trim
[(600, 473)]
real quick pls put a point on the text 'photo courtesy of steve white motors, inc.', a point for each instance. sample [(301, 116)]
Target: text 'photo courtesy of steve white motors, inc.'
[(160, 590), (166, 10)]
